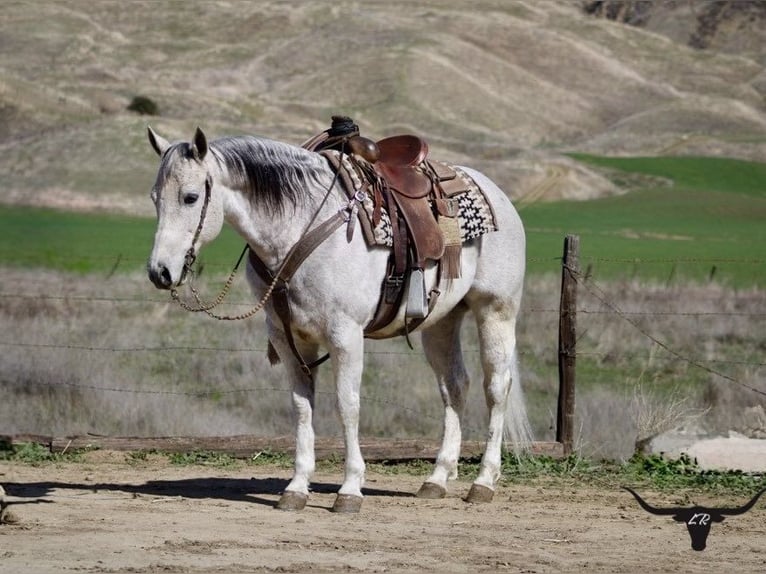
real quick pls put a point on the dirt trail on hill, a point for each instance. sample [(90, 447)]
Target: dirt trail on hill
[(149, 516)]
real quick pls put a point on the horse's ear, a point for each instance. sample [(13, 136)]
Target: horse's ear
[(199, 145), (159, 143)]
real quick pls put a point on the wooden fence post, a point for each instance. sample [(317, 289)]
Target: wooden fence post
[(567, 341)]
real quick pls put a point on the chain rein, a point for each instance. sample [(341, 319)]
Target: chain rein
[(191, 257)]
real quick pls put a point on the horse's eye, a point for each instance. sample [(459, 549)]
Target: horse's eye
[(191, 198)]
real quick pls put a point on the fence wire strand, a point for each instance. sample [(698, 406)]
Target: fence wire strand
[(585, 311), (599, 294), (217, 394), (192, 348), (587, 282)]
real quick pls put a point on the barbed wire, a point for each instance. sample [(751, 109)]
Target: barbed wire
[(141, 261), (144, 349), (119, 258), (413, 354), (599, 294), (675, 313), (85, 298), (747, 261), (624, 355), (583, 310), (594, 289), (176, 348), (218, 393)]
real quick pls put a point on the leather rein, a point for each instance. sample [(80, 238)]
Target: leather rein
[(278, 283)]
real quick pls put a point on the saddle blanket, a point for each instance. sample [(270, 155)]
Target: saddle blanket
[(475, 216)]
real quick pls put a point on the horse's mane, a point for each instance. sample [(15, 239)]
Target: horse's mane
[(271, 173)]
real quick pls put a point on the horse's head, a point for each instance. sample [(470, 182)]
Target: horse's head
[(189, 212)]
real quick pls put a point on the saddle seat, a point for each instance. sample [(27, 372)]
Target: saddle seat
[(397, 161), (402, 150)]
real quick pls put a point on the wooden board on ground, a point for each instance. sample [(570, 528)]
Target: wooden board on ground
[(246, 446)]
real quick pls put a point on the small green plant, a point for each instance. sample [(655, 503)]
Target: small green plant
[(202, 457), (521, 466), (144, 106), (684, 472), (654, 470), (268, 457), (412, 467), (139, 455), (35, 453)]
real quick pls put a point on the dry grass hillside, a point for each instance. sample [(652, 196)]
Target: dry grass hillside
[(503, 85)]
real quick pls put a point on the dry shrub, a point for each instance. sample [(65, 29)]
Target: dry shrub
[(655, 412), (115, 357), (729, 405), (603, 428)]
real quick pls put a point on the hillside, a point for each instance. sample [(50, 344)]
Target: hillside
[(504, 86)]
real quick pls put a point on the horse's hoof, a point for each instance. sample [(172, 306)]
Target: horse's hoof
[(8, 517), (431, 490), (292, 501), (347, 503), (479, 494)]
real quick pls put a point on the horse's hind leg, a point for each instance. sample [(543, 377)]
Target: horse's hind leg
[(496, 322), (441, 344)]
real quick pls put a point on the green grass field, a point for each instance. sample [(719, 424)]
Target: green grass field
[(705, 219), (90, 243)]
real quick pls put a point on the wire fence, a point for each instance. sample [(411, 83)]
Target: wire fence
[(609, 308), (598, 303), (598, 292), (583, 279)]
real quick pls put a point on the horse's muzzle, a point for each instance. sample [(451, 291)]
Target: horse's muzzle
[(160, 276)]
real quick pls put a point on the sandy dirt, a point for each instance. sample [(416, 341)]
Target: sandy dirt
[(108, 515)]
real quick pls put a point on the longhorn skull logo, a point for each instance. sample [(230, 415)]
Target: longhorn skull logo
[(698, 519)]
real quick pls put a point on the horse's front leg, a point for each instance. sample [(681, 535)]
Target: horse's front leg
[(347, 354), (296, 493)]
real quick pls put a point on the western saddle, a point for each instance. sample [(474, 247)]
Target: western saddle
[(416, 194), (414, 191)]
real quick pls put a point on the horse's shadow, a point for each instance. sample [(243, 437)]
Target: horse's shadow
[(253, 490)]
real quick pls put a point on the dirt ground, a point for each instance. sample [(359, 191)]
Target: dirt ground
[(110, 515)]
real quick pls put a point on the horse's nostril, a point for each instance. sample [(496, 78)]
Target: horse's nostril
[(165, 277), (160, 276)]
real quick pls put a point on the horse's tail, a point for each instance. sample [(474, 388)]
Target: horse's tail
[(517, 428)]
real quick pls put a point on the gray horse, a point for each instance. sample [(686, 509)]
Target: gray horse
[(271, 193)]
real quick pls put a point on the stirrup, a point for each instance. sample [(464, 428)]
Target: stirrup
[(417, 302)]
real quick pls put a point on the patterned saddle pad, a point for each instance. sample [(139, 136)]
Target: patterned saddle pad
[(475, 216)]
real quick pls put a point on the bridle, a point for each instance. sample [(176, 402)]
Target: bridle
[(278, 283), (310, 239), (191, 255)]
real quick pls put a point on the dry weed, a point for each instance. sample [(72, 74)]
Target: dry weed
[(114, 357)]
